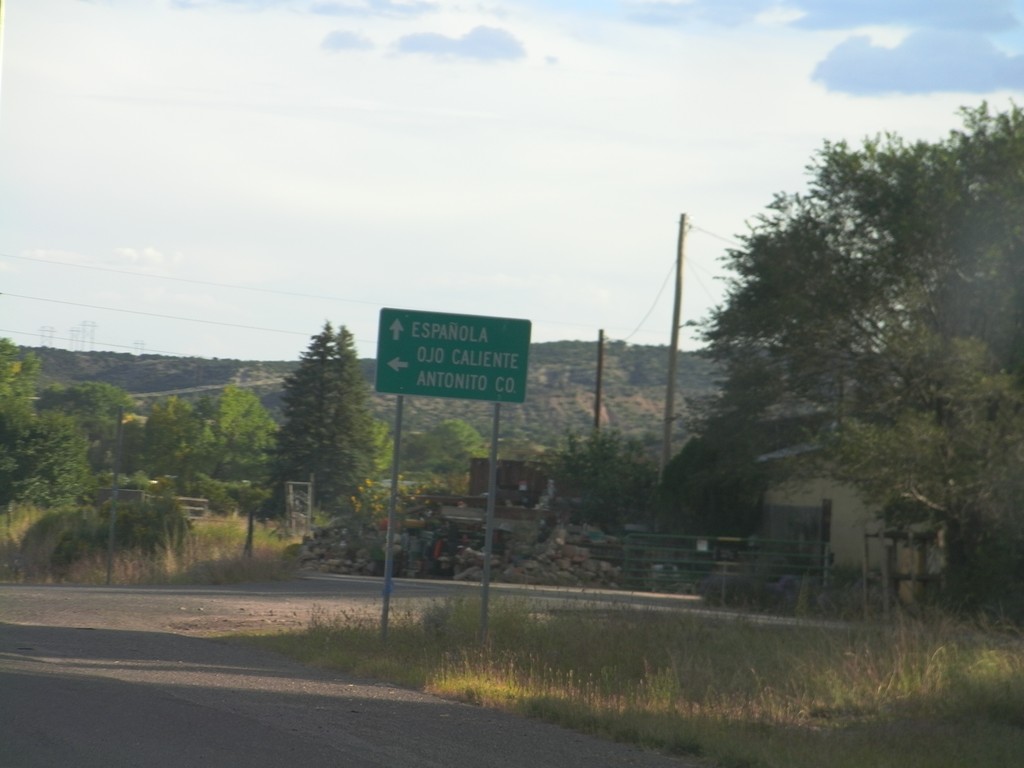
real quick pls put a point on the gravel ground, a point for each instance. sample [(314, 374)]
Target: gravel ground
[(100, 677)]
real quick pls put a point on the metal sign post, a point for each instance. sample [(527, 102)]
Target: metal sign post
[(389, 539), (468, 357), (492, 495)]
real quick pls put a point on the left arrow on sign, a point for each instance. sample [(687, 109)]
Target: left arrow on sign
[(396, 365)]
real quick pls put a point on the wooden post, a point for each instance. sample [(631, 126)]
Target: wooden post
[(673, 351), (864, 575), (885, 574), (600, 377)]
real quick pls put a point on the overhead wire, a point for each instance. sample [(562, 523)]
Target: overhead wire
[(216, 284), (192, 281), (697, 267), (296, 294), (709, 233), (694, 267), (654, 304), (156, 314), (134, 349)]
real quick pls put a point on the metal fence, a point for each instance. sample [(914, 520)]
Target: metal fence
[(723, 569)]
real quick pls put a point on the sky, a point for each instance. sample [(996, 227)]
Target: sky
[(219, 178)]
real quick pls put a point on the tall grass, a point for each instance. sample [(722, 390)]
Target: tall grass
[(915, 694), (20, 558), (211, 552)]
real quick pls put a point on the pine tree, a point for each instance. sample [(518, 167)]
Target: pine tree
[(327, 429)]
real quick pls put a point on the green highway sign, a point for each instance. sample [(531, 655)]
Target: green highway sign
[(444, 355)]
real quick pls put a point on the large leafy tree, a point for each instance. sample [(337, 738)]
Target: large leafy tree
[(881, 314), (243, 436), (711, 488), (441, 456), (612, 478), (18, 374), (226, 439), (327, 431), (42, 458), (96, 406), (17, 385), (178, 441), (444, 449), (52, 467)]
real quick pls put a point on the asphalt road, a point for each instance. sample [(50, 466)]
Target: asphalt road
[(130, 676)]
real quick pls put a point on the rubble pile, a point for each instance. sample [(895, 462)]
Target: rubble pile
[(564, 559), (524, 553), (341, 547)]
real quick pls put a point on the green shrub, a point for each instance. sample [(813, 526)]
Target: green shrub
[(40, 538), (69, 536), (156, 523)]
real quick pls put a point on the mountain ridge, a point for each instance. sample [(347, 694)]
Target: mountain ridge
[(560, 398)]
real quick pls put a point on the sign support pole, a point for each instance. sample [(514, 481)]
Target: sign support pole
[(441, 354), (389, 555), (492, 493), (114, 490)]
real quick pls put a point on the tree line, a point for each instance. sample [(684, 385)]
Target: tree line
[(875, 321), (58, 445)]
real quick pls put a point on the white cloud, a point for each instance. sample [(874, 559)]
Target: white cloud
[(973, 15), (223, 145), (148, 259), (481, 43), (345, 40), (247, 5), (944, 45), (924, 62), (373, 8), (679, 12)]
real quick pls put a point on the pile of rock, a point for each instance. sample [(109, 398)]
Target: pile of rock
[(343, 547), (567, 557), (562, 556)]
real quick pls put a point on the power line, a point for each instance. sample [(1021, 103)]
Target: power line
[(654, 303), (664, 282), (156, 314), (233, 286), (709, 233), (192, 281), (694, 273), (293, 294), (50, 338)]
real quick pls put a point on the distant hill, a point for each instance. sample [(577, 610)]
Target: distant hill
[(560, 387)]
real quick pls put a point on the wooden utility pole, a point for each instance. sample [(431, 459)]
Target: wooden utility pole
[(2, 7), (115, 487), (673, 351), (600, 376)]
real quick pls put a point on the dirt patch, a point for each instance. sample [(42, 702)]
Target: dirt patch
[(194, 611)]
